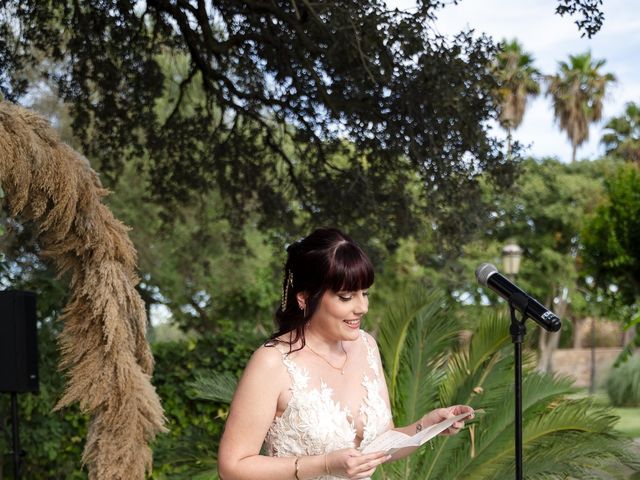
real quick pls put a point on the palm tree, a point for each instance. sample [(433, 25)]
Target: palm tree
[(427, 367), (577, 91), (623, 135), (517, 81)]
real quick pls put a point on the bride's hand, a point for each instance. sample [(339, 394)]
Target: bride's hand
[(351, 463), (440, 414)]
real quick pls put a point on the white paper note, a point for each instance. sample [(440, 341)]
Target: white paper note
[(392, 440)]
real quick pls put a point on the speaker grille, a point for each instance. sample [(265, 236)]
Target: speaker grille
[(18, 342)]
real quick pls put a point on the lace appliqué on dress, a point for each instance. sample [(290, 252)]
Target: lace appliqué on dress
[(314, 423)]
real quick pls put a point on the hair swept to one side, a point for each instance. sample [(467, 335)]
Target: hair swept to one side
[(103, 342)]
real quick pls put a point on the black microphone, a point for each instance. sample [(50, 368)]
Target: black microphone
[(489, 276)]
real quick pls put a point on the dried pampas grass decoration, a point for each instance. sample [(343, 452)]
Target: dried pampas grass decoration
[(103, 342)]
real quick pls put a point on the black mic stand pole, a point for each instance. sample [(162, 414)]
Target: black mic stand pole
[(16, 439), (518, 331)]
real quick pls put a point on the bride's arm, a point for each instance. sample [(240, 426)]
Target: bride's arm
[(252, 411)]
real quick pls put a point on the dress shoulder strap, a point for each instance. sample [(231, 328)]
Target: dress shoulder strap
[(371, 356), (299, 376)]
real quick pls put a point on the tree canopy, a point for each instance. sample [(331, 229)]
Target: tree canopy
[(366, 97), (611, 251)]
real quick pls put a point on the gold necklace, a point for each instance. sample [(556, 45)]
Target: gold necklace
[(341, 369)]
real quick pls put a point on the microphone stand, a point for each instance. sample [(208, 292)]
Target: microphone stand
[(518, 331)]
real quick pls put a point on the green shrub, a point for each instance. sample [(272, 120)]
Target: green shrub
[(194, 424), (623, 384), (54, 440)]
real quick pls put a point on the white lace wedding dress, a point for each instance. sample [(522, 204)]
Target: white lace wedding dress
[(314, 423)]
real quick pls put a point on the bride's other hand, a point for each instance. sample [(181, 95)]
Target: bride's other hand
[(352, 464)]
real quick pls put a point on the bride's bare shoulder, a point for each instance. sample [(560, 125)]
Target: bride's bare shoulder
[(269, 355)]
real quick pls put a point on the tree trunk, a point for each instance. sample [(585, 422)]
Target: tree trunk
[(548, 341), (573, 155), (592, 369), (547, 344), (628, 335), (579, 330), (508, 144)]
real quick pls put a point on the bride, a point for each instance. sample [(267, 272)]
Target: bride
[(315, 393)]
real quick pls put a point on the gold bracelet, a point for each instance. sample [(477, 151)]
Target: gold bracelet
[(326, 467), (297, 460)]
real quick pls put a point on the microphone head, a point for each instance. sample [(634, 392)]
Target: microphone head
[(484, 271)]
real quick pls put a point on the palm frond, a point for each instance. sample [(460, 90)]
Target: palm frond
[(469, 369), (574, 438), (494, 440), (427, 346), (422, 306), (491, 335), (218, 387)]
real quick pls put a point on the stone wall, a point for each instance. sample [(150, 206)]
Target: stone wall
[(577, 363)]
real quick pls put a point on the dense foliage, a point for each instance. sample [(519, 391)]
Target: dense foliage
[(195, 425), (610, 237), (54, 440), (305, 107), (208, 271)]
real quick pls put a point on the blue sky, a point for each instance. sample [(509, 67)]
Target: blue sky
[(551, 38)]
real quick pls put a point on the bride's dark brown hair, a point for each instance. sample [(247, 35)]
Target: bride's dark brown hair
[(327, 259)]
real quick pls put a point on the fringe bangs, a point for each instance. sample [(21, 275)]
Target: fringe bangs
[(350, 269)]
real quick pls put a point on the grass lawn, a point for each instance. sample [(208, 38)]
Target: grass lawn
[(629, 423)]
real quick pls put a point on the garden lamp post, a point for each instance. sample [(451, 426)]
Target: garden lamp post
[(511, 255)]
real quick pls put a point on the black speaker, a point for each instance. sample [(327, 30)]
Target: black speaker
[(18, 342)]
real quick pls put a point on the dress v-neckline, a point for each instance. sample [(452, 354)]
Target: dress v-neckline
[(325, 394), (369, 405)]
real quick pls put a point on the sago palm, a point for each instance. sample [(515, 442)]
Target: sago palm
[(427, 366), (517, 80), (577, 92)]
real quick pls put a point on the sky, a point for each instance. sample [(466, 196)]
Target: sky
[(551, 38)]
